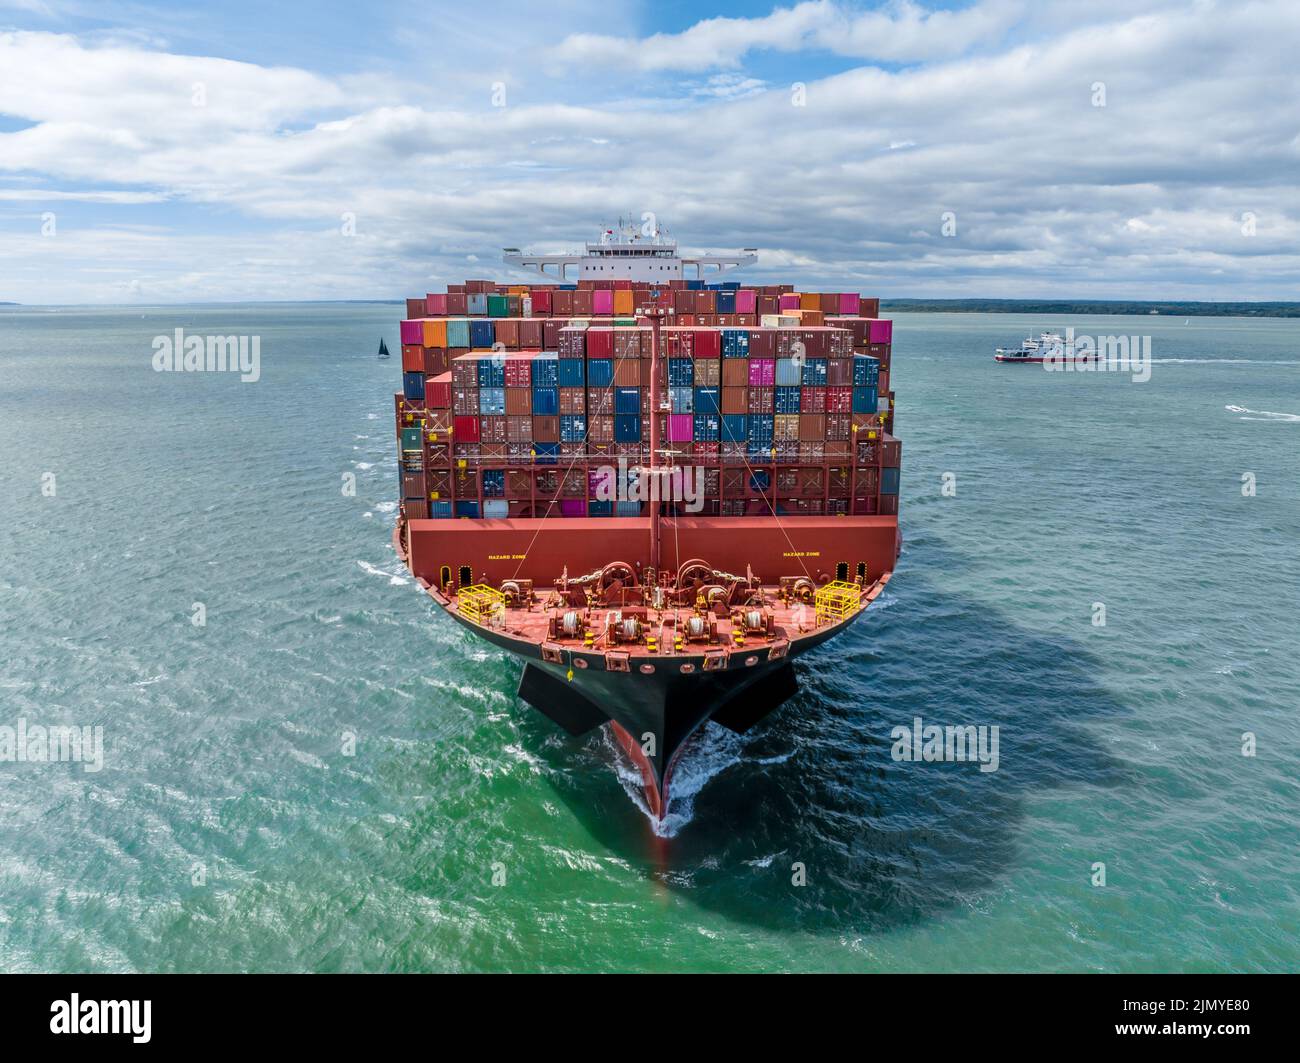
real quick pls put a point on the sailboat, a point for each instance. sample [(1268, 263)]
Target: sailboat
[(383, 348)]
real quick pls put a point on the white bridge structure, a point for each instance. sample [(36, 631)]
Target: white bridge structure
[(629, 254)]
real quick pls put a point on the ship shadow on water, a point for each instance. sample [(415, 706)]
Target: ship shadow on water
[(884, 844)]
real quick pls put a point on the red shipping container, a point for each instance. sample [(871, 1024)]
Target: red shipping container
[(492, 429), (812, 400), (736, 400), (573, 400), (868, 308), (435, 305), (519, 401), (412, 358), (457, 304), (812, 426), (839, 372), (562, 303), (519, 374), (735, 374), (546, 428), (437, 360), (437, 392), (600, 343), (466, 429), (583, 304), (506, 332), (541, 301), (464, 401), (414, 308), (838, 400), (519, 429), (706, 343), (530, 333), (627, 373), (762, 400), (600, 428), (839, 426)]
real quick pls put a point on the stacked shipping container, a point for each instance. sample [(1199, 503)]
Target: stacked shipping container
[(513, 397)]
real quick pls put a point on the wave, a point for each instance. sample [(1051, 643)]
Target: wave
[(1218, 361), (1264, 415), (393, 579), (707, 755)]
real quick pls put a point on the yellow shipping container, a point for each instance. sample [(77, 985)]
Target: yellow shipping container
[(435, 332)]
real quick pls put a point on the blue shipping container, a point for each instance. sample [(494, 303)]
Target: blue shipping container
[(735, 427), (814, 373), (440, 510), (492, 402), (761, 427), (889, 481), (481, 331), (864, 400), (476, 303), (627, 428), (546, 371), (681, 373), (735, 342), (681, 400), (759, 480), (573, 373), (787, 400), (573, 427), (726, 302), (600, 373), (494, 483), (413, 385), (600, 509), (491, 372), (866, 371), (628, 509), (546, 453), (458, 333), (788, 373), (546, 401), (627, 400), (708, 426), (466, 509), (706, 400)]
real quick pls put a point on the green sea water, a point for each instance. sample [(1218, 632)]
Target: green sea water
[(229, 829)]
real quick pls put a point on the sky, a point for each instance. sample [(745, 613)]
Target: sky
[(230, 151)]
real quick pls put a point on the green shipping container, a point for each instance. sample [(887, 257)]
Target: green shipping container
[(411, 439), (498, 305)]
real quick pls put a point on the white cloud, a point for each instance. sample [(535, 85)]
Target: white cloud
[(902, 32), (1052, 195)]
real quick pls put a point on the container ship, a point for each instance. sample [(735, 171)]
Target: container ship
[(655, 487)]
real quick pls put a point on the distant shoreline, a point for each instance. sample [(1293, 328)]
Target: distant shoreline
[(1154, 308)]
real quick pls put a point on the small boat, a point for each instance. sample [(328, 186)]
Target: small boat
[(383, 348), (1048, 347)]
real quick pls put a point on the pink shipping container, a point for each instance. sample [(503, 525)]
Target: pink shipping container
[(879, 331), (746, 301), (573, 507), (849, 302), (602, 301), (435, 305), (413, 332), (681, 428), (790, 301), (762, 373)]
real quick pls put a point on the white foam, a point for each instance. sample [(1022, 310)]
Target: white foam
[(1264, 415), (709, 753), (393, 579)]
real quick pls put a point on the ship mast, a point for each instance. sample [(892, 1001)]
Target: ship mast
[(655, 314)]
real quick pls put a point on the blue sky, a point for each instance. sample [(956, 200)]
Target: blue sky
[(229, 151)]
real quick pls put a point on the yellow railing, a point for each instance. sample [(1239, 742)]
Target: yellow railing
[(836, 601), (480, 603)]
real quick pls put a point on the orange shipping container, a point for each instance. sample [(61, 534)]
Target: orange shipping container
[(627, 373), (519, 401), (810, 301), (735, 400), (435, 332), (786, 428), (812, 426), (735, 374), (624, 303)]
